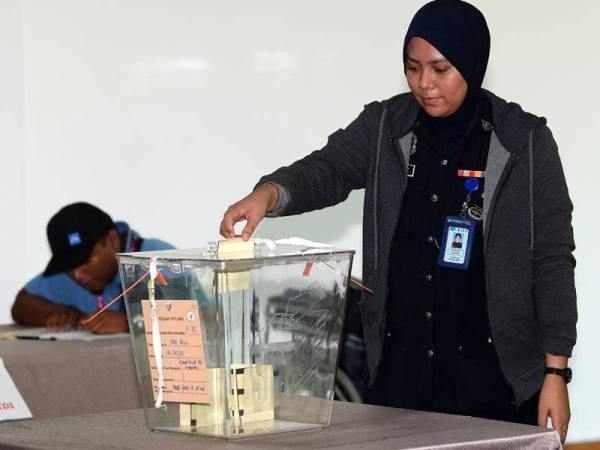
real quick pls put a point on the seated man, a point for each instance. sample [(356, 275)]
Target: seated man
[(82, 275)]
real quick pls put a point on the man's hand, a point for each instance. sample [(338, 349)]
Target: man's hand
[(107, 322), (251, 208), (36, 311), (554, 399), (64, 321)]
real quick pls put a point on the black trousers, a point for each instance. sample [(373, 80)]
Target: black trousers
[(465, 383)]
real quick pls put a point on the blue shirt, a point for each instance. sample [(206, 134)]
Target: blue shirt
[(61, 288)]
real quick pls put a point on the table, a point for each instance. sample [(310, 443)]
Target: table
[(60, 378), (354, 427)]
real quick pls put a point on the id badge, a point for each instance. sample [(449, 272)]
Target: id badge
[(457, 242)]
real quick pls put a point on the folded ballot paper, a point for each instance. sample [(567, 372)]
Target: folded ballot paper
[(237, 248)]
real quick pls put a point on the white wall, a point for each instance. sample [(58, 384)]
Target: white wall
[(13, 237), (164, 112)]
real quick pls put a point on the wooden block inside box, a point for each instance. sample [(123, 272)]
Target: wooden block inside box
[(250, 398)]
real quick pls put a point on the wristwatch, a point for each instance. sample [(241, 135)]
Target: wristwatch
[(565, 373)]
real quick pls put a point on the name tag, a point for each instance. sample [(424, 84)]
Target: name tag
[(457, 242)]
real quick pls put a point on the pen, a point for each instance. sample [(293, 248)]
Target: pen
[(36, 338)]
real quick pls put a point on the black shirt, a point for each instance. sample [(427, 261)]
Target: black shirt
[(439, 352)]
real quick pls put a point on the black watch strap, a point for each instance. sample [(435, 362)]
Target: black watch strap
[(566, 373)]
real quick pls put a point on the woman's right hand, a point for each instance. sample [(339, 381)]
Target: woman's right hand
[(251, 208)]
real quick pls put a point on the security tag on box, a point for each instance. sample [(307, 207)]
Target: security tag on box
[(307, 268)]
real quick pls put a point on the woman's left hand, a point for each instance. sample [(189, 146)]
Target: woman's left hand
[(554, 403)]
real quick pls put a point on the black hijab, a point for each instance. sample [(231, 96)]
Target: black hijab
[(458, 31)]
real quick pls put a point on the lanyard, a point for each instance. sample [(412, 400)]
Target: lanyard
[(100, 301), (132, 245)]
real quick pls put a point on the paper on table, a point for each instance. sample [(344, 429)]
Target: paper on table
[(44, 335), (12, 405), (184, 366)]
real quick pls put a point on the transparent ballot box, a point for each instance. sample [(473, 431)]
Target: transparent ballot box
[(239, 342)]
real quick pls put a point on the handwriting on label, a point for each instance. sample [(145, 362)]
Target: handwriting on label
[(185, 378)]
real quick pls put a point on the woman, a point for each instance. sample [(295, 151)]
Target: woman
[(457, 241), (484, 331)]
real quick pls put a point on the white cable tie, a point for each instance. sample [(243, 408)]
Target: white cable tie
[(268, 242), (302, 242), (153, 270), (157, 344)]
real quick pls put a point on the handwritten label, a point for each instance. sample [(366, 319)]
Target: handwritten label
[(184, 367), (12, 405)]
